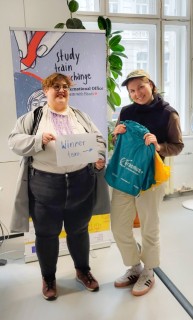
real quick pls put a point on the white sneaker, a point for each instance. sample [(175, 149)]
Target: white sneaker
[(130, 277), (143, 284)]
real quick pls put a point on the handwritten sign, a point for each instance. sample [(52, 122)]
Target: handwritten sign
[(76, 149)]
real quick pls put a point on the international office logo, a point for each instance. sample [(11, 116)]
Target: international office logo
[(127, 164)]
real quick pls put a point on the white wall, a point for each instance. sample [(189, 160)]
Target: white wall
[(37, 14)]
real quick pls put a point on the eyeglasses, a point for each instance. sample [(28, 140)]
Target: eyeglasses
[(57, 87)]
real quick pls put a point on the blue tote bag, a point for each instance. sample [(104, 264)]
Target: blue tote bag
[(131, 168)]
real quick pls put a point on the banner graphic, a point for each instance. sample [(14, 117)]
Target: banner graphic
[(81, 55)]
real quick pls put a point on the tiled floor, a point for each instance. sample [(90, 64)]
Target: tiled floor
[(20, 283)]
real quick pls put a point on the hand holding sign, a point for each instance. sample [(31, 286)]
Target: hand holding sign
[(76, 149)]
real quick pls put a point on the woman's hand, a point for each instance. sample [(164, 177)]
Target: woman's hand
[(47, 137), (119, 129), (151, 138), (100, 164)]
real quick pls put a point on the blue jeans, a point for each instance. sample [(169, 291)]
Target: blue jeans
[(57, 200)]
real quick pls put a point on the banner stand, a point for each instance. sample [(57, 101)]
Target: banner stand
[(99, 232), (80, 54)]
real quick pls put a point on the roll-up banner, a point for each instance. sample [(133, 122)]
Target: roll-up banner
[(81, 55)]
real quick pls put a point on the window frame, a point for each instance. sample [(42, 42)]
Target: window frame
[(134, 16), (159, 20), (180, 18), (101, 12), (158, 47), (188, 96)]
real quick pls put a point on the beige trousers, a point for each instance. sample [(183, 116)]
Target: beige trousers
[(123, 212)]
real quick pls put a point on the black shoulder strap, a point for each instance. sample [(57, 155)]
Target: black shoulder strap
[(37, 117)]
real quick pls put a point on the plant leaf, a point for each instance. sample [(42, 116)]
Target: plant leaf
[(114, 41), (117, 53), (102, 23), (116, 32), (73, 6), (115, 61), (114, 74), (110, 103), (118, 47), (59, 25), (111, 84), (74, 23), (108, 27), (115, 70), (115, 97)]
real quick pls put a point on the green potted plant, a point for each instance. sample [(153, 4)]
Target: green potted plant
[(114, 50), (114, 54)]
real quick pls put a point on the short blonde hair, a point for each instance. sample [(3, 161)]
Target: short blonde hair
[(146, 80), (140, 73), (53, 78)]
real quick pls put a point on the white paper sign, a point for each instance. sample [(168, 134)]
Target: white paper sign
[(76, 149)]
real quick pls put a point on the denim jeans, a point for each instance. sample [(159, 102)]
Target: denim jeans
[(58, 200)]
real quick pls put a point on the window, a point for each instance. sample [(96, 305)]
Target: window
[(156, 37), (175, 8), (175, 84), (133, 6), (138, 40), (142, 60), (89, 5)]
